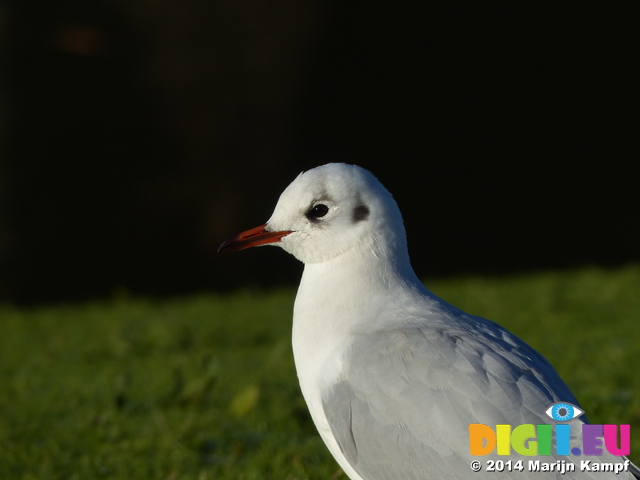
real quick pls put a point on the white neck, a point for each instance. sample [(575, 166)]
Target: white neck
[(336, 299), (340, 296)]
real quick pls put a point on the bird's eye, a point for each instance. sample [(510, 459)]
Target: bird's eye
[(317, 211)]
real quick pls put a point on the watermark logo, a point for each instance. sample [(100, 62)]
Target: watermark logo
[(562, 412), (533, 440)]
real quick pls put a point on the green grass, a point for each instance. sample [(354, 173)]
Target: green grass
[(205, 387)]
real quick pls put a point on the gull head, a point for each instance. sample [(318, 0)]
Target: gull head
[(329, 211)]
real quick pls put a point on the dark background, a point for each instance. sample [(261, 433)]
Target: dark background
[(135, 138)]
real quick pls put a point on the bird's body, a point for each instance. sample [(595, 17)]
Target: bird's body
[(393, 375)]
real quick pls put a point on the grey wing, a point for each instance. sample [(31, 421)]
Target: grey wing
[(403, 407)]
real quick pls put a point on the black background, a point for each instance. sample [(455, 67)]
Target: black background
[(135, 140)]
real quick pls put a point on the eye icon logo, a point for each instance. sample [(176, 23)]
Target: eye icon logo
[(563, 412)]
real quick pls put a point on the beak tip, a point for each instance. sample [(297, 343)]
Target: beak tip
[(223, 246), (231, 245), (251, 238)]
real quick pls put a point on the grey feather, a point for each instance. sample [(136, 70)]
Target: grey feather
[(403, 406)]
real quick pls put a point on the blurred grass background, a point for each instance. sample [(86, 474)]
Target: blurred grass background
[(204, 387)]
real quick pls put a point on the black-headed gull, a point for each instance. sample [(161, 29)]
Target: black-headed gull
[(394, 376)]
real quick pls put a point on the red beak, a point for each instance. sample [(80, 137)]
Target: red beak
[(252, 238)]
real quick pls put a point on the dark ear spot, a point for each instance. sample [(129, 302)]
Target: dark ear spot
[(361, 212)]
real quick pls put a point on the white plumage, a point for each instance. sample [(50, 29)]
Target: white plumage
[(392, 374)]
